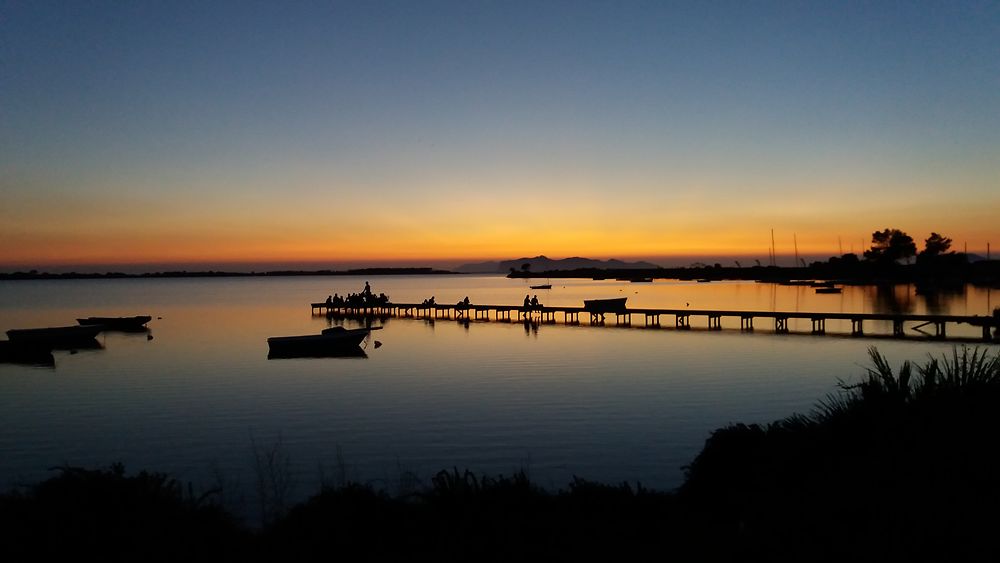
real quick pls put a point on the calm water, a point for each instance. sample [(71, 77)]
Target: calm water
[(611, 404)]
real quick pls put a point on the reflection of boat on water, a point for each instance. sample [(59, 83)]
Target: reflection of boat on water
[(332, 342), (336, 352), (129, 324), (829, 290), (543, 286), (27, 355), (616, 305), (55, 336)]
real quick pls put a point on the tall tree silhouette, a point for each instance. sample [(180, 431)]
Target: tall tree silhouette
[(890, 246), (935, 245)]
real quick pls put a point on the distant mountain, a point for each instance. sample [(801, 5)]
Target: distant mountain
[(543, 263)]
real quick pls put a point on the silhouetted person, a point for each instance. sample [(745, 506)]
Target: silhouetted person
[(329, 300), (527, 301), (466, 301), (534, 302), (368, 289)]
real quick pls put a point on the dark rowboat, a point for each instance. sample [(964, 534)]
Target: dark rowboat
[(118, 323), (544, 286), (54, 336), (27, 355), (828, 290), (616, 305), (335, 341)]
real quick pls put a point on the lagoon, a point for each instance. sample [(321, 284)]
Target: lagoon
[(604, 403)]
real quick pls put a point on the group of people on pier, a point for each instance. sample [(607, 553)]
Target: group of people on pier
[(531, 303), (358, 300)]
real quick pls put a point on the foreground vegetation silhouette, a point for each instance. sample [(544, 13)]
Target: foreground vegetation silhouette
[(901, 465)]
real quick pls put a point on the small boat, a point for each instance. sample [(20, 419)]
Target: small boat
[(601, 306), (136, 323), (25, 355), (543, 286), (333, 341), (55, 336), (829, 290)]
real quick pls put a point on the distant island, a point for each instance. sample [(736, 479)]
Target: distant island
[(544, 263), (36, 275)]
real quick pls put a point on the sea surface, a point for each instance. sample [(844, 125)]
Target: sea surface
[(197, 395)]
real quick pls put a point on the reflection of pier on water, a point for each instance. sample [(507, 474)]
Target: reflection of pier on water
[(682, 317)]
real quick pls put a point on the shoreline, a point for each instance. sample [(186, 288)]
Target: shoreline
[(35, 275)]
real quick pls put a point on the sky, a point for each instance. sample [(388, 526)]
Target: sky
[(206, 134)]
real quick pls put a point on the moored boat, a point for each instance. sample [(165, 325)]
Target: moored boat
[(335, 341), (829, 290), (26, 355), (54, 336), (615, 305), (118, 323), (543, 286)]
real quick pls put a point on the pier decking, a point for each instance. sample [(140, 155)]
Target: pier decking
[(681, 317)]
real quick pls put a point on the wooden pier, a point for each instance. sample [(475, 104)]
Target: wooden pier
[(681, 317)]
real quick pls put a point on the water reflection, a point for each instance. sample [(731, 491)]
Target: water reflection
[(893, 299), (612, 405), (346, 352)]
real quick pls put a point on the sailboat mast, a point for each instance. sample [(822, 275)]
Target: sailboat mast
[(774, 260)]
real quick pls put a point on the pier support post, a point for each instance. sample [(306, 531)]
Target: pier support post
[(682, 321), (626, 316), (939, 330), (781, 324), (897, 328), (857, 327), (819, 325), (746, 323), (652, 319), (715, 322)]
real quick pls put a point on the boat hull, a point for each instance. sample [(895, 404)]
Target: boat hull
[(54, 336), (25, 355), (329, 343), (616, 305), (136, 323)]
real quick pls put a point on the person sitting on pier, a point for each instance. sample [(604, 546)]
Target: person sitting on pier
[(527, 302), (463, 304), (367, 291), (329, 300), (337, 300), (429, 302), (534, 303)]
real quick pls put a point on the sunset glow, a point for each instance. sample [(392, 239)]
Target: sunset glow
[(416, 134)]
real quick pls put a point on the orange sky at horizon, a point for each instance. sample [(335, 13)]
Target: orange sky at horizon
[(382, 134)]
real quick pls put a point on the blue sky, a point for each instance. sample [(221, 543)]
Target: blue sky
[(194, 127)]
